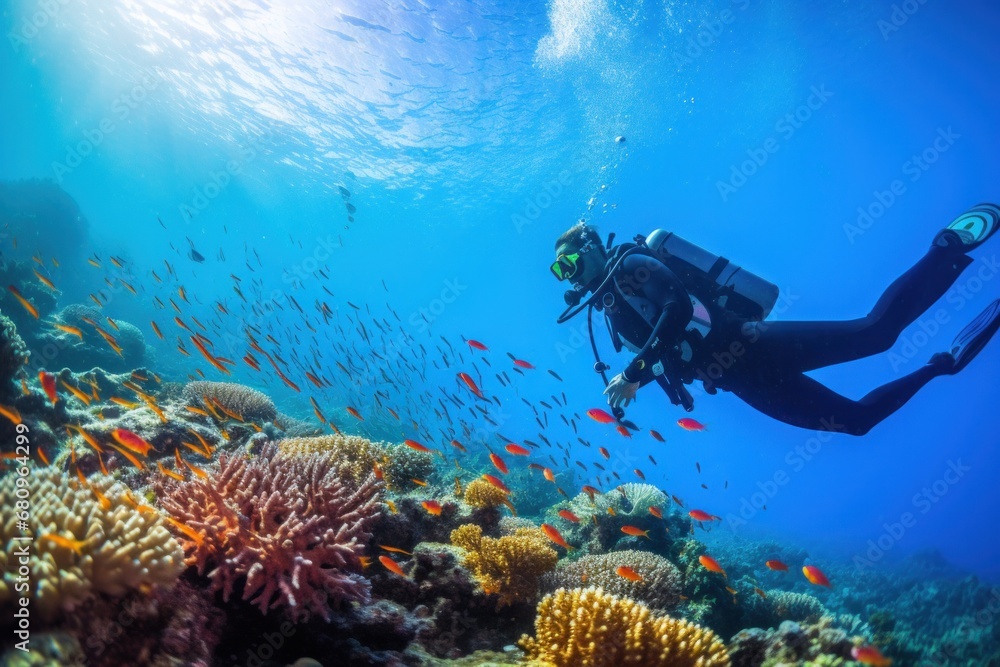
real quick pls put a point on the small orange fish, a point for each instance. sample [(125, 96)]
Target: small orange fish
[(701, 515), (45, 281), (776, 565), (188, 531), (48, 382), (600, 416), (639, 474), (11, 413), (24, 302), (169, 473), (523, 364), (471, 384), (457, 445), (656, 511), (548, 474), (418, 482), (711, 564), (131, 441), (476, 345), (395, 550), (569, 516), (413, 444), (495, 481), (689, 424), (498, 463), (869, 655), (65, 328), (623, 432), (67, 543), (82, 397), (761, 593), (432, 507), (656, 435), (815, 576), (156, 330), (628, 573), (517, 450), (555, 536), (605, 453), (391, 565), (354, 413), (392, 506), (635, 532)]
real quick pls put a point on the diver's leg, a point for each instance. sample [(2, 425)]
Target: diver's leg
[(804, 346), (799, 400)]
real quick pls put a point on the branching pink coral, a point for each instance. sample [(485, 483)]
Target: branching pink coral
[(290, 525)]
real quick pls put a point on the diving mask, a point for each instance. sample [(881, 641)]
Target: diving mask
[(566, 266)]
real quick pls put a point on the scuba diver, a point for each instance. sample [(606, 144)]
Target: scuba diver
[(690, 315)]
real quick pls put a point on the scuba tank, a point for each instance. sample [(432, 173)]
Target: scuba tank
[(714, 279)]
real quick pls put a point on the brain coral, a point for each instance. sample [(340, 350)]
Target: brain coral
[(291, 526), (117, 548), (509, 566), (660, 586), (248, 403), (590, 628), (800, 607)]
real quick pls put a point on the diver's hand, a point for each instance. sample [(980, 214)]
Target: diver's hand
[(620, 390)]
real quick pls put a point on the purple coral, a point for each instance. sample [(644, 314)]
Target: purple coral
[(290, 525)]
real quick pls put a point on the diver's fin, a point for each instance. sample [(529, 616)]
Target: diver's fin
[(974, 337), (971, 229)]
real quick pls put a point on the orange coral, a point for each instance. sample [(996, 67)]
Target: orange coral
[(509, 566)]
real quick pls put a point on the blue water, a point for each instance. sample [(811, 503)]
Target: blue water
[(470, 134)]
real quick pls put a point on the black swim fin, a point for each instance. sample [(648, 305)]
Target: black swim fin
[(972, 339), (971, 229)]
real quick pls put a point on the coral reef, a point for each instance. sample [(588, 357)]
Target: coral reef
[(798, 607), (508, 566), (590, 627), (101, 545), (248, 403), (659, 588), (402, 465), (820, 643), (480, 493), (293, 427), (292, 527), (13, 355), (355, 456)]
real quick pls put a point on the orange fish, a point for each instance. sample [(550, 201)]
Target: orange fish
[(628, 573), (48, 382), (635, 532), (11, 413), (711, 564), (418, 482), (471, 384), (156, 330), (656, 511), (523, 364), (702, 515), (459, 446), (432, 507), (815, 576), (604, 452), (413, 444), (391, 565), (689, 424), (169, 473), (776, 565), (495, 481), (639, 474), (67, 543), (761, 593), (498, 463), (869, 655), (656, 435), (82, 397), (517, 450), (65, 328), (395, 550), (131, 441), (553, 534), (24, 302), (569, 516), (45, 281), (476, 345), (549, 475), (600, 416), (623, 432), (354, 413)]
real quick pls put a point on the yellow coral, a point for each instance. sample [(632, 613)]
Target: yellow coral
[(480, 493), (355, 456), (96, 550), (589, 628), (509, 566)]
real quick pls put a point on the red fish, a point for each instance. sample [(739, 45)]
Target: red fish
[(48, 382), (702, 515), (24, 302), (555, 536), (869, 655), (604, 452), (635, 532), (815, 576), (628, 573), (413, 444), (776, 565), (622, 431), (523, 364), (517, 450), (476, 345), (656, 511), (498, 463), (711, 564), (391, 565), (432, 507), (569, 516), (354, 413), (495, 481), (600, 416), (656, 435), (131, 441), (459, 446), (471, 384), (689, 424)]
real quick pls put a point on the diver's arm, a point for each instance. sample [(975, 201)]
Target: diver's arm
[(647, 355)]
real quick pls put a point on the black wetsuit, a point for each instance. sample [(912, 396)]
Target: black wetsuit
[(764, 363)]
